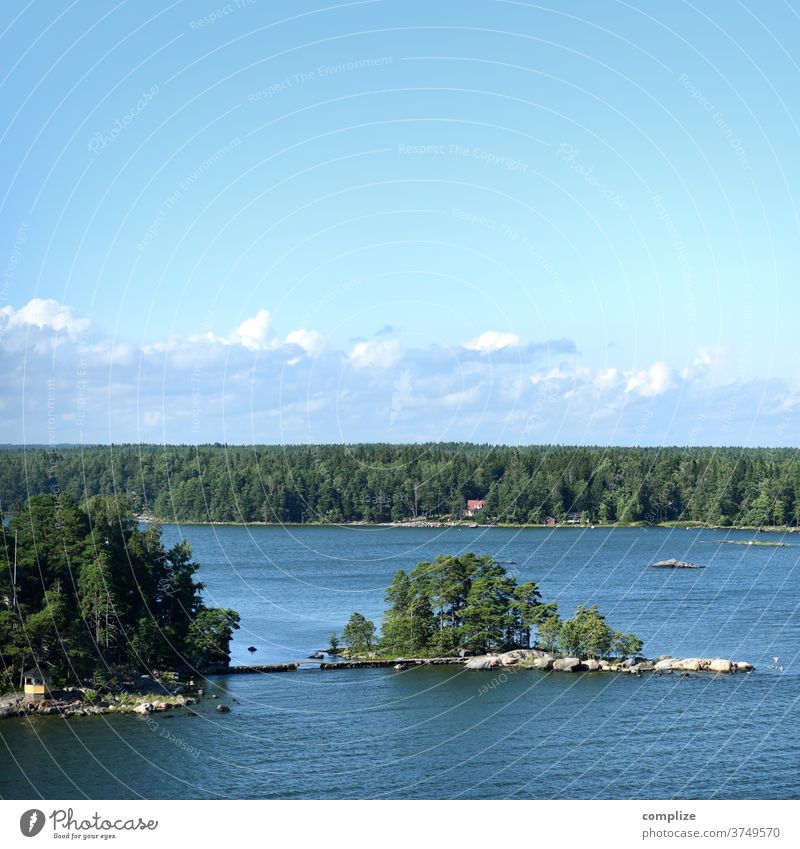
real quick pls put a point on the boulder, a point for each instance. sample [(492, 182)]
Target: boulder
[(486, 661), (742, 666), (223, 709), (567, 664), (720, 665), (511, 658), (664, 663), (544, 662), (688, 664), (590, 664), (645, 666), (144, 707)]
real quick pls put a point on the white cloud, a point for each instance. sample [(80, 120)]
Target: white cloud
[(254, 333), (376, 354), (607, 379), (45, 313), (309, 340), (655, 380), (492, 340), (557, 374)]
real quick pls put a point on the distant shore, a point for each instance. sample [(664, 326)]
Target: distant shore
[(435, 523)]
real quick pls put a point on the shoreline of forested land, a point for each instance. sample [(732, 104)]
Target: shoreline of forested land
[(376, 484)]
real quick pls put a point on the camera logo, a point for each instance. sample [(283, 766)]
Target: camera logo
[(31, 822)]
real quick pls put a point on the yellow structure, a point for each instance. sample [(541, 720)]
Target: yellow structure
[(35, 684)]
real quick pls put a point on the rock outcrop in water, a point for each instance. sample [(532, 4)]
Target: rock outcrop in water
[(674, 564)]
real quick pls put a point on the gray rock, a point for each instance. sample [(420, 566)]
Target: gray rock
[(510, 658), (486, 661), (590, 664), (720, 665), (674, 564), (567, 664), (223, 709)]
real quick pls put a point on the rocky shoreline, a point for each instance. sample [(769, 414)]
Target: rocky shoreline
[(145, 696), (547, 661)]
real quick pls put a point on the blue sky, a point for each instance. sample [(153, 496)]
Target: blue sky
[(496, 221)]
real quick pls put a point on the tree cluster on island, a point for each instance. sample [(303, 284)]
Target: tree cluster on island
[(86, 595), (398, 483), (467, 603)]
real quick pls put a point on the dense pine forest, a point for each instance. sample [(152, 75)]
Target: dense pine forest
[(86, 596), (384, 483)]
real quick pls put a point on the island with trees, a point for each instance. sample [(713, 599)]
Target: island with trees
[(468, 609)]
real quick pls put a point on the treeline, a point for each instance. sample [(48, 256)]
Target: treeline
[(85, 596), (468, 603), (383, 483)]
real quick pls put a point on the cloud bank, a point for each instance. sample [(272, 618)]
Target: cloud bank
[(66, 380)]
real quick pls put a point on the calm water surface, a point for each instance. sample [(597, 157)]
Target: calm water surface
[(444, 732)]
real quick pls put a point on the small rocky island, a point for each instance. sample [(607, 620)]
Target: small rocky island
[(674, 564), (466, 609)]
